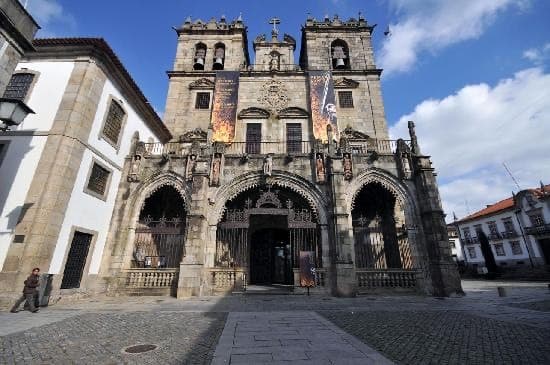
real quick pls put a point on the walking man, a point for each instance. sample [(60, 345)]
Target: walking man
[(29, 292)]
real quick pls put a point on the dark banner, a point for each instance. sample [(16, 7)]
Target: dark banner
[(323, 104), (224, 111), (307, 268)]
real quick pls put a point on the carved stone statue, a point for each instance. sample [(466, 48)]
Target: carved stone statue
[(135, 169), (190, 167), (320, 168), (348, 167), (216, 169), (268, 165)]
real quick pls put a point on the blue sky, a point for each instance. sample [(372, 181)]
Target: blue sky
[(473, 74)]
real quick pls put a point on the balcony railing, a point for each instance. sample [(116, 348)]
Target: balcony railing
[(265, 147), (274, 67), (380, 146), (471, 240), (538, 230), (509, 234), (494, 236)]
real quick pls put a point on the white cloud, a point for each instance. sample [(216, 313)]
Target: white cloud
[(431, 25), (472, 132), (50, 15), (538, 55)]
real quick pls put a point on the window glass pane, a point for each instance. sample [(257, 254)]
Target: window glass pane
[(253, 138), (294, 137), (19, 85)]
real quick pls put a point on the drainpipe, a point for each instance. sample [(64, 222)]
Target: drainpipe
[(524, 238)]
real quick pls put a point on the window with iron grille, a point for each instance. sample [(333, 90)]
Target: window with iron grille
[(76, 260), (99, 177), (508, 225), (294, 138), (516, 248), (202, 101), (499, 249), (113, 122), (537, 219), (19, 85), (346, 99), (253, 138), (493, 228)]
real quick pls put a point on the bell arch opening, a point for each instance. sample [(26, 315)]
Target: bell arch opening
[(261, 234), (160, 230), (379, 230)]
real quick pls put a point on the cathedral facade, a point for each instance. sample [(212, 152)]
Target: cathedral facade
[(273, 162)]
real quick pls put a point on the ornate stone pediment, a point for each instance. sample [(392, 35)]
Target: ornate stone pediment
[(351, 134), (293, 112), (194, 135), (274, 95), (254, 113), (345, 83), (203, 84)]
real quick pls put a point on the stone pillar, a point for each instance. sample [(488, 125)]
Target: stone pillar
[(54, 179), (343, 231), (192, 265), (443, 271)]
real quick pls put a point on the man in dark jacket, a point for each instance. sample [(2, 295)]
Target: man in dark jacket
[(29, 292)]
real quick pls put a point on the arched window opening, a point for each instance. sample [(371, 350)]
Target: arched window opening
[(160, 230), (219, 56), (379, 230), (200, 56), (340, 55)]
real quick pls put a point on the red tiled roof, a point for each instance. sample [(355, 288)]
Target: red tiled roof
[(504, 205), (98, 47)]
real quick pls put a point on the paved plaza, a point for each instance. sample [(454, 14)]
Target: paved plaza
[(481, 328)]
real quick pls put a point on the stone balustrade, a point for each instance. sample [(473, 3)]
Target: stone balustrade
[(382, 279), (151, 278), (226, 280)]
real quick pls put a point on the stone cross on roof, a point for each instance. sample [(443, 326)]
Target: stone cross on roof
[(275, 21)]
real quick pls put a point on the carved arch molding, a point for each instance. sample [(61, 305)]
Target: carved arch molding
[(158, 181), (241, 184)]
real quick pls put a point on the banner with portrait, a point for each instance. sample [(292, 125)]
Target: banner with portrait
[(323, 104), (307, 268), (224, 110)]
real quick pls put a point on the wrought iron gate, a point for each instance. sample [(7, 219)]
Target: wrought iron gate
[(76, 260)]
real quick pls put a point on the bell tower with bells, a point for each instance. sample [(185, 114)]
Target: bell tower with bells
[(338, 45)]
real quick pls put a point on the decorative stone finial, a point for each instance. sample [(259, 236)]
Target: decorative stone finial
[(414, 141), (188, 20)]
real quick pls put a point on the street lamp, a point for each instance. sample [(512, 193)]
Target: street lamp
[(12, 112)]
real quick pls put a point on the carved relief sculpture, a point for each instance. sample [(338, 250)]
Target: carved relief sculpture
[(268, 165), (320, 168), (190, 167), (216, 170), (348, 167)]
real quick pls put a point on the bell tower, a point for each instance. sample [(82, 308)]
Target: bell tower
[(203, 48)]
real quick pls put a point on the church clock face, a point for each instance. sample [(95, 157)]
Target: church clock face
[(274, 95)]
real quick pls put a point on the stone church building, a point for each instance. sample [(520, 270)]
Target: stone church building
[(270, 162)]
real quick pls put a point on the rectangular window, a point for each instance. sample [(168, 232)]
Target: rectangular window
[(202, 101), (472, 252), (499, 249), (113, 122), (76, 260), (19, 85), (508, 225), (452, 244), (98, 180), (294, 138), (253, 138), (516, 248), (345, 99), (466, 232), (536, 219), (493, 228), (3, 150)]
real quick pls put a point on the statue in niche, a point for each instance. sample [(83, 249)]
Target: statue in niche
[(133, 176), (268, 165), (348, 168), (320, 168), (190, 167), (216, 169), (406, 165)]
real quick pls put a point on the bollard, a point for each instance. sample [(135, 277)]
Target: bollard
[(501, 291)]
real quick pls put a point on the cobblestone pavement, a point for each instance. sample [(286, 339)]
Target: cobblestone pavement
[(439, 337), (99, 338), (480, 327)]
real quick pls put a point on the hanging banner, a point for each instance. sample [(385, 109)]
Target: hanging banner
[(224, 111), (307, 268), (323, 104)]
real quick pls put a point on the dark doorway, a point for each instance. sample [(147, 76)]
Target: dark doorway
[(544, 245), (76, 260), (270, 257)]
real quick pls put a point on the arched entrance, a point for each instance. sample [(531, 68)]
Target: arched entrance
[(262, 233), (379, 231), (160, 230)]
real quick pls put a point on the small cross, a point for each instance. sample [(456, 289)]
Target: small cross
[(275, 21)]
